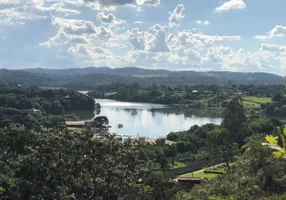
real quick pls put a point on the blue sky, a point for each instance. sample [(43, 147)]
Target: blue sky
[(219, 35)]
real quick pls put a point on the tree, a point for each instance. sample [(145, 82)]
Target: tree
[(278, 97), (256, 175), (219, 146), (65, 165), (234, 120), (101, 122)]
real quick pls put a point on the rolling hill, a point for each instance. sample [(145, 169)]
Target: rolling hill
[(88, 78)]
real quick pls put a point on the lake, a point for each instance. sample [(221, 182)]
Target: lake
[(152, 120)]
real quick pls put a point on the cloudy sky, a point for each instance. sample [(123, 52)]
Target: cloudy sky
[(228, 35)]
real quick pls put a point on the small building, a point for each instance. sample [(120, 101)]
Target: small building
[(76, 124), (35, 110), (67, 97), (153, 141)]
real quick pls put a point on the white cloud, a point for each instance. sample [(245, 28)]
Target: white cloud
[(109, 19), (103, 33), (138, 22), (18, 16), (158, 42), (206, 23), (154, 40), (201, 22), (196, 39), (76, 31), (62, 38), (148, 2), (273, 48), (57, 8), (277, 31), (176, 16), (137, 39), (231, 5), (73, 26), (88, 54), (113, 4)]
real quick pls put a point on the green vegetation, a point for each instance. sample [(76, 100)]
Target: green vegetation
[(260, 100), (75, 129), (40, 158), (255, 98), (252, 102), (179, 165), (89, 78), (201, 175)]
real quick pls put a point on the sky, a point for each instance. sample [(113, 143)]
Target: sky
[(201, 35)]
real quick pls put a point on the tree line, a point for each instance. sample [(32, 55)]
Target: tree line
[(56, 163)]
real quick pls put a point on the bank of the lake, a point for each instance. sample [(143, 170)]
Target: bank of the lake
[(151, 120)]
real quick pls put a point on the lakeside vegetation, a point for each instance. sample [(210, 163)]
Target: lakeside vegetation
[(42, 159), (265, 99)]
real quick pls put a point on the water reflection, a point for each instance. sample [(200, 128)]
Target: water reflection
[(152, 120)]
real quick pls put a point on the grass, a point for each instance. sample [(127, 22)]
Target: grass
[(259, 100), (251, 105), (199, 175), (255, 102), (203, 175), (179, 165)]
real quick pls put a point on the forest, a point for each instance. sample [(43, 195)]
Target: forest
[(42, 159), (90, 77), (266, 99), (32, 106)]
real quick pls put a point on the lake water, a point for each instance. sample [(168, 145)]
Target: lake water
[(150, 120)]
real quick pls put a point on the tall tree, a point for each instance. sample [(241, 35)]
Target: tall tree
[(219, 146), (234, 120)]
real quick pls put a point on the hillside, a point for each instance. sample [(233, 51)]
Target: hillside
[(88, 78), (237, 77)]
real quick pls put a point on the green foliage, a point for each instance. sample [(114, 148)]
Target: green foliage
[(220, 147), (256, 175), (272, 143), (61, 165), (235, 121)]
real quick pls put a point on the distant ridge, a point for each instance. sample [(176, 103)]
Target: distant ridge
[(129, 71), (87, 78)]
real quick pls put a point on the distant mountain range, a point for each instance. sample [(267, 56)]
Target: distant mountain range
[(87, 78)]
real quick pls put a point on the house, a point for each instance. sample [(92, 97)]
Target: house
[(67, 97), (35, 110), (79, 124), (75, 124), (153, 141)]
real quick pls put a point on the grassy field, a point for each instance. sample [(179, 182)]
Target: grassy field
[(255, 102), (179, 165), (199, 175), (259, 100), (251, 105)]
